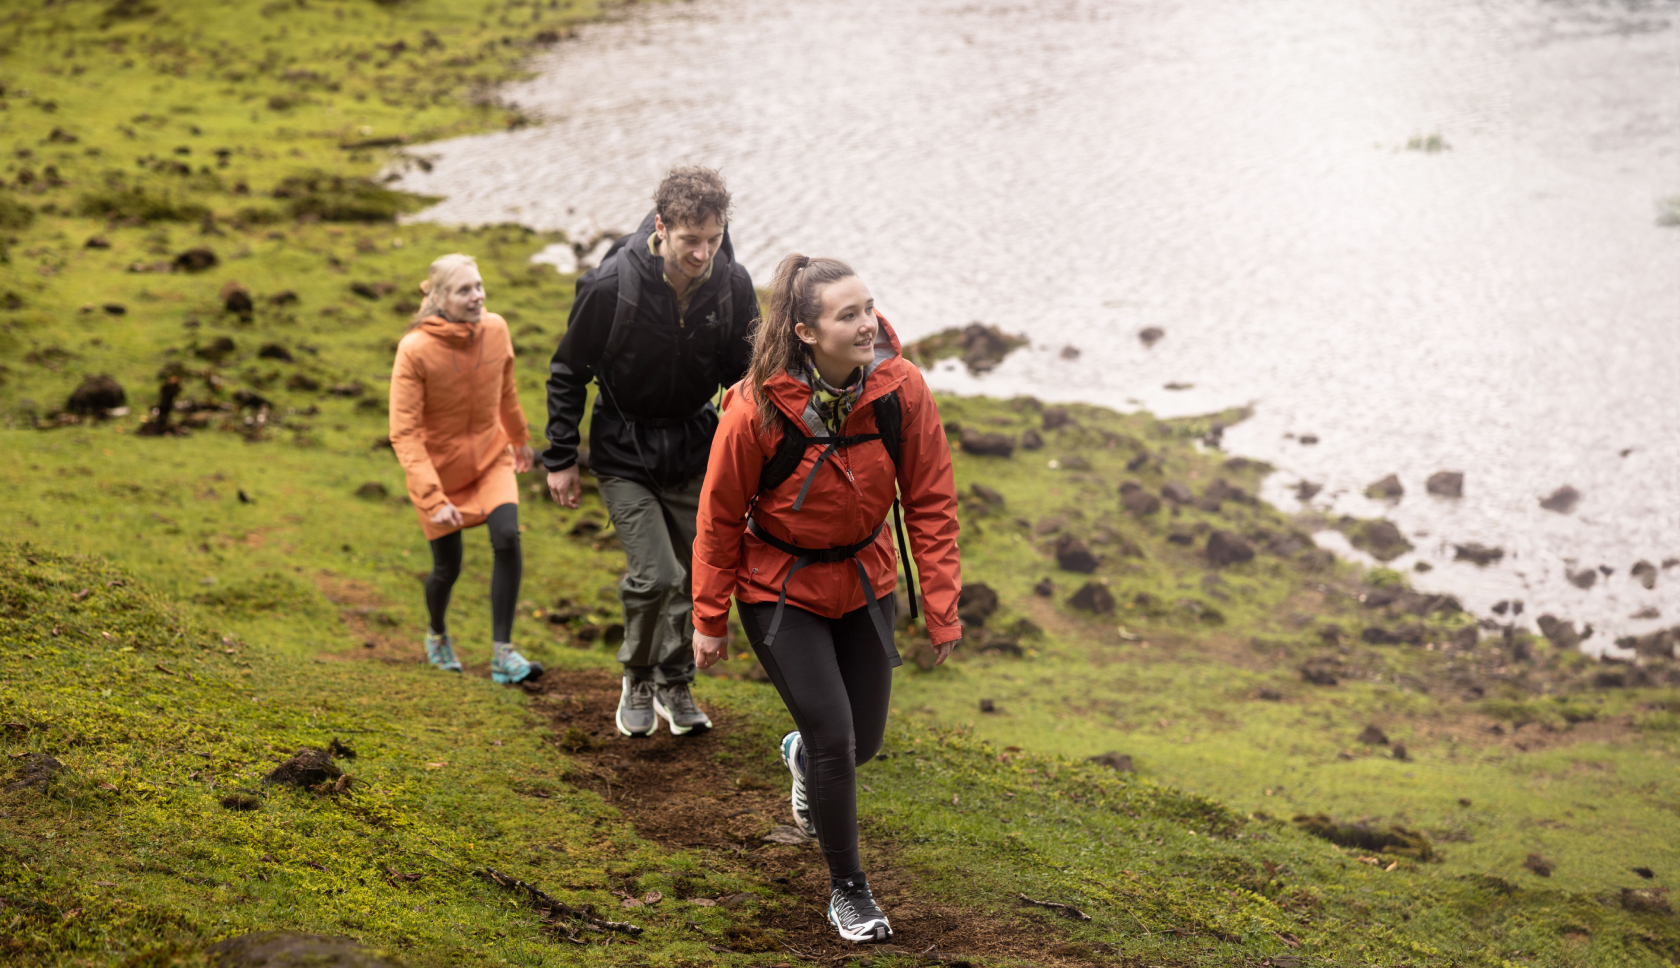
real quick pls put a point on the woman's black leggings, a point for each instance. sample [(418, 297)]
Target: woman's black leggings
[(504, 577), (834, 677)]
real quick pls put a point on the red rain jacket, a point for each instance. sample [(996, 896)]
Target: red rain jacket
[(852, 494)]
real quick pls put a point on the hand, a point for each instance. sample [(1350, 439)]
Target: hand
[(522, 458), (943, 651), (709, 649), (563, 487), (448, 514)]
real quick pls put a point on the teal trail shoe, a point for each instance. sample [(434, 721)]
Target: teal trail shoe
[(440, 651), (508, 666)]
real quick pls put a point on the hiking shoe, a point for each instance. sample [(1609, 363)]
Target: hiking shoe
[(635, 708), (508, 666), (793, 757), (674, 702), (440, 651), (853, 911)]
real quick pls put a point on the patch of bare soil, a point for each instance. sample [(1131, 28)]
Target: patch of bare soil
[(678, 793), (376, 634)]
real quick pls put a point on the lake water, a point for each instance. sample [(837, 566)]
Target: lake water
[(1236, 174)]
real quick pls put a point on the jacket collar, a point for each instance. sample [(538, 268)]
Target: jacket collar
[(790, 392), (458, 335), (652, 267)]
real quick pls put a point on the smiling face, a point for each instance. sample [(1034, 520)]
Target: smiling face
[(844, 336), (462, 299), (687, 247)]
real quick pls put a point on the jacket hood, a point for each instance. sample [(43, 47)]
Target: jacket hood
[(792, 393), (652, 267), (458, 335)]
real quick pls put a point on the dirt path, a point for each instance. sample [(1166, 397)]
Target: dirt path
[(677, 793)]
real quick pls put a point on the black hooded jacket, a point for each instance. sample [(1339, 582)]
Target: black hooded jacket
[(653, 420)]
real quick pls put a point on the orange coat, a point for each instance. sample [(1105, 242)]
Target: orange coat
[(852, 494), (454, 412)]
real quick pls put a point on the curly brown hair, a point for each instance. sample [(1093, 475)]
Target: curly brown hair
[(691, 195)]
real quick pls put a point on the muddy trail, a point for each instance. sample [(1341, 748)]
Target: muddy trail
[(681, 793)]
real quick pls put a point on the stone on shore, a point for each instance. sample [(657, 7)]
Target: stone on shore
[(1477, 554), (1446, 483), (1387, 489), (1227, 548), (987, 445), (1562, 500), (1074, 555)]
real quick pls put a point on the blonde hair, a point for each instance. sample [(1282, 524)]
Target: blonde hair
[(795, 297), (436, 283)]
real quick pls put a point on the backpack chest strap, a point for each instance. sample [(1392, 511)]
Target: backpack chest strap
[(834, 443)]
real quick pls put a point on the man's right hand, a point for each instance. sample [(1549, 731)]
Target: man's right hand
[(563, 487)]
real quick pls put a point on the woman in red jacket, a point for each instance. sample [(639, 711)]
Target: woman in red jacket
[(830, 425)]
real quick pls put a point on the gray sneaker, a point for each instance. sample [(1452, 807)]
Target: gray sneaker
[(635, 708), (674, 702)]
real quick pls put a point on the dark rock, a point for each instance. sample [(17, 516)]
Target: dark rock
[(1381, 539), (1227, 548), (1056, 418), (987, 445), (1308, 439), (284, 297), (96, 396), (1221, 491), (1501, 607), (1073, 555), (1559, 633), (1320, 672), (1606, 570), (1562, 500), (1069, 352), (196, 260), (1394, 840), (1269, 695), (1139, 502), (1373, 735), (38, 770), (290, 949), (1398, 751), (352, 389), (1645, 873), (241, 801), (980, 347), (1465, 638), (217, 350), (1645, 573), (373, 491), (1610, 680), (372, 290), (1030, 440), (986, 642), (97, 242), (1477, 554), (987, 706), (1583, 579), (1073, 462), (274, 351), (1114, 761), (1387, 489), (1646, 900), (986, 495), (1176, 493), (1446, 483), (1377, 635), (976, 603), (1181, 538), (1655, 645), (1382, 596), (1093, 596), (1045, 588), (1538, 865), (1150, 335), (1288, 544), (307, 767), (303, 382)]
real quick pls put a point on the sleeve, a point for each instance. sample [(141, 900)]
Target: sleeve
[(731, 482), (513, 415), (737, 355), (572, 369), (929, 494), (408, 433)]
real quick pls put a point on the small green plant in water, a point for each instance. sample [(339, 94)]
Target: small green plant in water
[(1429, 144)]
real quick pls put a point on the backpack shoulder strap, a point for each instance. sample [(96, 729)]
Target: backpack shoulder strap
[(789, 452), (889, 422)]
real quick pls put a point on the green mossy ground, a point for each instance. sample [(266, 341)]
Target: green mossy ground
[(244, 599)]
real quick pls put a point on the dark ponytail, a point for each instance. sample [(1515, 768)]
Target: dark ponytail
[(795, 297)]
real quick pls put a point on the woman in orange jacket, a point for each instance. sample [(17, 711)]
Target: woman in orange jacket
[(458, 430), (830, 425)]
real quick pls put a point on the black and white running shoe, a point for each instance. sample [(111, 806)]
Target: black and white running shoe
[(793, 757), (853, 911)]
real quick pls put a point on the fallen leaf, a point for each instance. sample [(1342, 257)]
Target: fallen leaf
[(792, 836), (652, 897), (437, 766), (82, 594), (702, 902), (630, 902), (1370, 860)]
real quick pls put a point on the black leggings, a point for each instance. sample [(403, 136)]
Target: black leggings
[(504, 577), (834, 677)]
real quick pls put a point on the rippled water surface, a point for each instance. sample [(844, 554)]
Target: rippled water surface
[(1235, 173)]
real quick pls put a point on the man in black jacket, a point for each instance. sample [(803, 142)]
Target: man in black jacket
[(660, 325)]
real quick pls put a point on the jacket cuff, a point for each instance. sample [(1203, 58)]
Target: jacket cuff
[(941, 634), (715, 627), (557, 464)]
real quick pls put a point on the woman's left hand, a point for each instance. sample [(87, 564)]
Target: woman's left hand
[(943, 651), (522, 458), (709, 649)]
